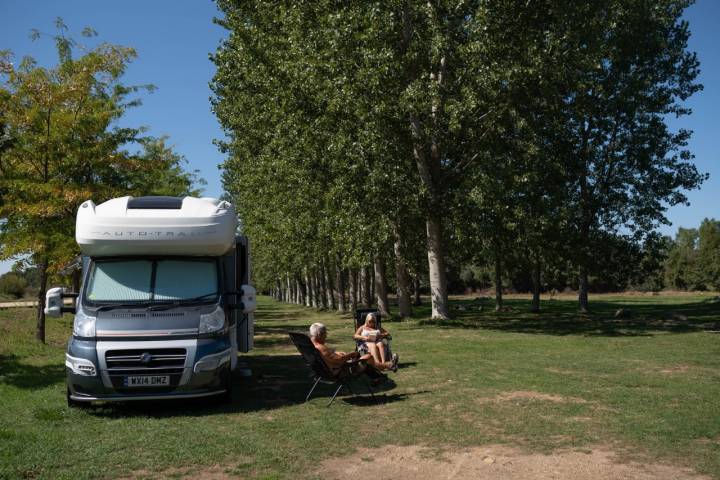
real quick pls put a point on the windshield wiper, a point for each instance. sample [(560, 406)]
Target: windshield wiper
[(113, 306), (181, 301)]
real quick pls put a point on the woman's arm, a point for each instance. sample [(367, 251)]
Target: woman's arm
[(358, 334)]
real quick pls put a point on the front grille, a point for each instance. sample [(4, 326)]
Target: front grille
[(152, 361)]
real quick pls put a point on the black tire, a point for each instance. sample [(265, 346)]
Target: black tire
[(227, 383)]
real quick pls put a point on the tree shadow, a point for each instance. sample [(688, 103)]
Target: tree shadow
[(559, 317), (22, 375)]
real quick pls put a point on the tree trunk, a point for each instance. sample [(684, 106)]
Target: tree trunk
[(436, 268), (322, 288), (402, 278), (327, 278), (371, 272), (42, 268), (352, 280), (381, 286), (365, 287), (340, 284), (498, 282), (278, 290), (535, 308), (314, 290), (308, 290), (299, 294), (416, 287), (583, 290), (288, 289)]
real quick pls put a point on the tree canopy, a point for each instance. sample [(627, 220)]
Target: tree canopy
[(61, 145)]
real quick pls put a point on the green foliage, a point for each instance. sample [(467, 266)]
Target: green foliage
[(694, 259), (61, 145), (530, 133), (13, 284)]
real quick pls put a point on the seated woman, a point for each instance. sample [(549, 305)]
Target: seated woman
[(373, 340), (337, 360)]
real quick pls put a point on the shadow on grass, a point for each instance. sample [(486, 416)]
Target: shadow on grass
[(278, 381), (22, 375), (368, 401), (559, 317)]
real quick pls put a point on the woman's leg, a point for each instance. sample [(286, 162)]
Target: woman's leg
[(368, 359), (373, 349), (381, 351)]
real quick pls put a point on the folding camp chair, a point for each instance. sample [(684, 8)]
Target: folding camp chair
[(323, 374)]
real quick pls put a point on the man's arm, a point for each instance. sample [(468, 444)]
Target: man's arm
[(335, 359)]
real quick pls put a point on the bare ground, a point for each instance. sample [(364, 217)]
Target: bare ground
[(495, 462)]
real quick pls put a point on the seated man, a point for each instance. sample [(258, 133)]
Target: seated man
[(337, 360)]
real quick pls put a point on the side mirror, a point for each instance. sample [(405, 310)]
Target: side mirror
[(54, 302), (54, 305), (248, 299)]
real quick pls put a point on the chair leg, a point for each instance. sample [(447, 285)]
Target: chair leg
[(335, 395), (317, 380)]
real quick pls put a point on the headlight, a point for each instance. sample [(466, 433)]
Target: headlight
[(84, 325), (212, 362), (212, 322), (80, 366)]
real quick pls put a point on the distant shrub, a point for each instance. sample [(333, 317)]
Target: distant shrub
[(13, 284)]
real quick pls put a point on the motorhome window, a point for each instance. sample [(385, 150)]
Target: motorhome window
[(121, 281), (184, 279)]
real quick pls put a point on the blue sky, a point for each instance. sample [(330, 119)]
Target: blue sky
[(173, 40)]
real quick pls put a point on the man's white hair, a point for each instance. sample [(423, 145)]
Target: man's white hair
[(317, 330)]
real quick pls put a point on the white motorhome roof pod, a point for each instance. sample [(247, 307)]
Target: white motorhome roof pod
[(156, 226)]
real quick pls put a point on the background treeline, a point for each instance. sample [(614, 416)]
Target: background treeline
[(61, 143), (442, 145)]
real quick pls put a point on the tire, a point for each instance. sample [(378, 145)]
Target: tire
[(227, 383)]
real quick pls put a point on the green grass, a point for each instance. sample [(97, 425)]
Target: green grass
[(647, 385)]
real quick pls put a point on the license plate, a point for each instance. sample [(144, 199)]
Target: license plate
[(148, 381)]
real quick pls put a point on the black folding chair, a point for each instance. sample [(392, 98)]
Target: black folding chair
[(323, 374)]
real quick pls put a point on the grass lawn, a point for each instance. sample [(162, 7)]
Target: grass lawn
[(647, 385)]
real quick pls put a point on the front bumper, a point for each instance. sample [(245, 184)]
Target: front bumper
[(185, 382), (158, 396)]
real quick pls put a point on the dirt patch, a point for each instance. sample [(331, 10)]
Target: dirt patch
[(213, 472), (494, 462), (531, 395), (560, 371), (676, 369)]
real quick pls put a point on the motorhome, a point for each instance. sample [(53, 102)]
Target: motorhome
[(165, 303)]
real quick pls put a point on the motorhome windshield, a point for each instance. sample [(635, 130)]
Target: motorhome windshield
[(151, 281)]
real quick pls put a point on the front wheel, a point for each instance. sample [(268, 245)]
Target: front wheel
[(227, 384)]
